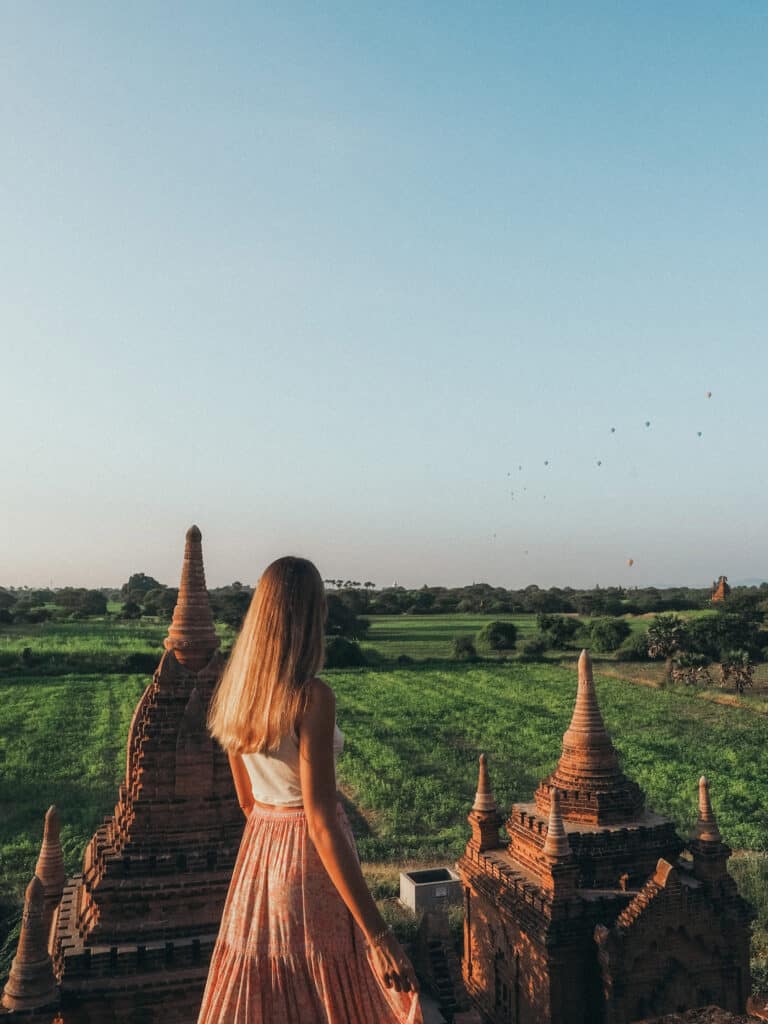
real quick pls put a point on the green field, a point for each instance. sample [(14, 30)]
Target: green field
[(413, 735)]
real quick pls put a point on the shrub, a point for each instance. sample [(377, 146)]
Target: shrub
[(691, 669), (341, 653), (737, 667), (464, 648), (497, 636), (139, 661), (607, 634), (558, 630), (404, 659), (131, 610), (533, 647), (634, 648), (342, 621), (702, 636)]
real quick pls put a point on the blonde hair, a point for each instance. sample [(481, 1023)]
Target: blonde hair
[(264, 686)]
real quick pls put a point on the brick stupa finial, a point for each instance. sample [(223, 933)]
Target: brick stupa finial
[(31, 984), (484, 816), (484, 800), (192, 636), (556, 845), (706, 827), (591, 784), (50, 865)]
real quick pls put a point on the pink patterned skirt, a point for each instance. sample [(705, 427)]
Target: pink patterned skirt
[(288, 950)]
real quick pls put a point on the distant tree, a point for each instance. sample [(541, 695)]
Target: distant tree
[(139, 584), (558, 630), (422, 603), (533, 647), (232, 607), (497, 636), (160, 602), (665, 638), (6, 600), (464, 648), (131, 610), (342, 621), (78, 599), (607, 634)]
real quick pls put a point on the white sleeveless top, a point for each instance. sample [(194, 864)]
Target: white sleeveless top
[(275, 776)]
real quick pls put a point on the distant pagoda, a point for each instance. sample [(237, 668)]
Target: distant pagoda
[(721, 589), (589, 913), (132, 935)]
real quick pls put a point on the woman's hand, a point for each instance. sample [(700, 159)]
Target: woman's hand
[(391, 964)]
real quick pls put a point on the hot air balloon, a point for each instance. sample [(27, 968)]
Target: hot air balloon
[(709, 394), (546, 462), (613, 430), (599, 462), (647, 423), (698, 432), (630, 562)]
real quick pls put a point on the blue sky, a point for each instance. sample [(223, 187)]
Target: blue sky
[(319, 277)]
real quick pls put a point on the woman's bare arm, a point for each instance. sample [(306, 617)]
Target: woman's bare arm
[(242, 783), (317, 775)]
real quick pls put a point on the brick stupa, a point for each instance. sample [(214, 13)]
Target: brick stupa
[(31, 984), (590, 913), (133, 934)]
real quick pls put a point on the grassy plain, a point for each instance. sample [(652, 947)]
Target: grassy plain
[(413, 734)]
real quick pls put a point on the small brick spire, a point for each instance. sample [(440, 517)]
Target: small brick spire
[(706, 827), (50, 865), (31, 984), (192, 636), (484, 800), (484, 816), (556, 845)]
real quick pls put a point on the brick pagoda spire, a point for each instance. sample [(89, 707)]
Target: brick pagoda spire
[(135, 930), (50, 866), (31, 984), (192, 635), (591, 784)]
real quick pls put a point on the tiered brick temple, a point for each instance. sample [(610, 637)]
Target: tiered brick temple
[(721, 589), (132, 935), (589, 914)]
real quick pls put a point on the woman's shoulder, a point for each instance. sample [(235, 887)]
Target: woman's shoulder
[(321, 698), (320, 691)]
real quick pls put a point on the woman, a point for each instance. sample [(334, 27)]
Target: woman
[(301, 939)]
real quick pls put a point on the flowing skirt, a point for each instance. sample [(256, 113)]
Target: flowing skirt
[(288, 950)]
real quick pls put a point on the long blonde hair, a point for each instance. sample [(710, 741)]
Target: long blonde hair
[(263, 688)]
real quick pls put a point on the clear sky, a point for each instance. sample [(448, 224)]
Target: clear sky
[(320, 277)]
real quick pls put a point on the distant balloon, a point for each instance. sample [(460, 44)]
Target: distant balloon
[(698, 433), (519, 467), (647, 423), (599, 462), (546, 462), (630, 562), (613, 430), (709, 394)]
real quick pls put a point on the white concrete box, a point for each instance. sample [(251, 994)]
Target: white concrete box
[(430, 889)]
